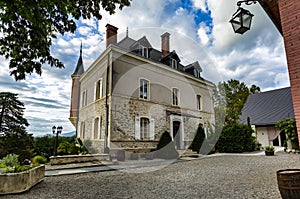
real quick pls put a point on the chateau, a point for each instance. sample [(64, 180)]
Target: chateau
[(133, 93)]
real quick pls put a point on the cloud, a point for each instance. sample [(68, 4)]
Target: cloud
[(200, 31)]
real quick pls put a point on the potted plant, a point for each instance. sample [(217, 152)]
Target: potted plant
[(269, 150)]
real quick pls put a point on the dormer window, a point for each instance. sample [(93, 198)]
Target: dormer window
[(174, 64), (144, 51), (197, 73)]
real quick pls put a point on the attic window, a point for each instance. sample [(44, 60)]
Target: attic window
[(144, 51), (174, 64), (197, 73)]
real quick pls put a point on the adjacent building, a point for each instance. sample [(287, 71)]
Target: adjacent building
[(133, 93), (265, 109)]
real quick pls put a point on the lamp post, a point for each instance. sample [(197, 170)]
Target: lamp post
[(241, 19), (56, 131)]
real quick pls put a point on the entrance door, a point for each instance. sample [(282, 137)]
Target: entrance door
[(176, 134)]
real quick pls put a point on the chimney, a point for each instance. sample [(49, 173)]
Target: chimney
[(165, 43), (111, 34)]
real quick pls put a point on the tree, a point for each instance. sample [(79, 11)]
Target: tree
[(11, 113), (231, 97), (14, 138), (28, 27), (198, 139)]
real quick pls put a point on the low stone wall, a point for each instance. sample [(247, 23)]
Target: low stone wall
[(67, 159), (20, 182)]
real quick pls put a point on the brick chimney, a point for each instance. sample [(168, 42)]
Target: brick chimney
[(111, 34), (165, 43)]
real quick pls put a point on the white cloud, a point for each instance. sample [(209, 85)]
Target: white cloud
[(257, 57), (200, 4)]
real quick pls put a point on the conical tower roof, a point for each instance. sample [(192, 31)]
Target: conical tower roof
[(79, 70)]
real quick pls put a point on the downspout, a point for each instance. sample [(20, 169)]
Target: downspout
[(106, 149)]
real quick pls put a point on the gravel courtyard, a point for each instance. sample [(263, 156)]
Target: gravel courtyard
[(226, 176)]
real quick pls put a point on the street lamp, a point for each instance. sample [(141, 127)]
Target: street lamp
[(241, 19), (58, 131)]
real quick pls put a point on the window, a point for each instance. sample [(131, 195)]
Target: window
[(98, 89), (96, 128), (197, 73), (84, 99), (145, 128), (174, 64), (144, 89), (82, 129), (144, 51), (175, 95), (199, 104)]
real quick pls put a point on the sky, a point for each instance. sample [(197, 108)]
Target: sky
[(200, 31)]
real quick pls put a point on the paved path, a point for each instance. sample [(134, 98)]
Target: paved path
[(226, 176)]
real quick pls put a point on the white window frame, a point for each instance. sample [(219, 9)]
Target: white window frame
[(144, 130), (138, 128), (142, 83), (84, 98), (174, 63), (175, 96), (199, 102), (99, 89), (144, 51), (82, 129)]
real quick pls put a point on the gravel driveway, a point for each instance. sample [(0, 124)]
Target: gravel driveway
[(227, 176)]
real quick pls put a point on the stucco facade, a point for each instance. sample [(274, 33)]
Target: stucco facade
[(127, 101)]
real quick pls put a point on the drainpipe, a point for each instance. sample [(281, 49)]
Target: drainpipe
[(106, 149)]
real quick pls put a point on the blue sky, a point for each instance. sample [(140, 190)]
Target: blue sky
[(200, 31)]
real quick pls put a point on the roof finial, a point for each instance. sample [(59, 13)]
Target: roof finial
[(127, 31)]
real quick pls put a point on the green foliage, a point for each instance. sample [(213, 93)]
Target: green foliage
[(13, 125), (11, 112), (231, 96), (28, 28), (10, 160), (198, 139), (37, 160), (44, 146), (270, 148), (236, 138), (166, 147), (288, 126)]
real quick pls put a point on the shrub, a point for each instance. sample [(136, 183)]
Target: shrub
[(236, 138), (37, 160), (198, 139), (10, 160), (270, 148), (166, 148)]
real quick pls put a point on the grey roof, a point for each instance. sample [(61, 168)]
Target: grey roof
[(131, 45), (79, 70), (267, 108)]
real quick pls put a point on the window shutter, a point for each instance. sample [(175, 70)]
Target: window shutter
[(152, 129), (137, 128)]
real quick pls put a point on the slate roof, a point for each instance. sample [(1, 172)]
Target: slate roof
[(79, 70), (131, 45), (267, 108)]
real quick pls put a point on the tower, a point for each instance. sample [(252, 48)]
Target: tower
[(75, 95)]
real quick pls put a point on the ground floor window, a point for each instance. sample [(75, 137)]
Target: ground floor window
[(145, 128)]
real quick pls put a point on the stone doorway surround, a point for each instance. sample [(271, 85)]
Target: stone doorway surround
[(177, 118)]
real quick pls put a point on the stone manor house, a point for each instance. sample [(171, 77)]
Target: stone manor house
[(132, 93)]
